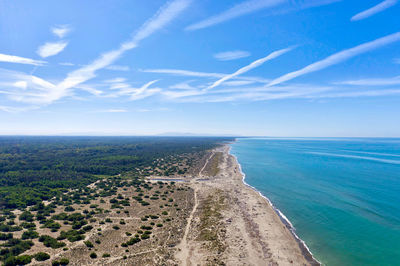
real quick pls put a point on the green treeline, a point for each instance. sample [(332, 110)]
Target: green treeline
[(33, 169)]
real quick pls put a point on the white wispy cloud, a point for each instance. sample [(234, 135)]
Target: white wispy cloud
[(373, 82), (182, 86), (61, 30), (25, 88), (143, 110), (247, 94), (90, 89), (182, 72), (20, 60), (189, 73), (131, 93), (164, 16), (120, 86), (396, 60), (116, 111), (235, 11), (115, 80), (338, 58), (20, 84), (312, 3), (251, 6), (144, 91), (182, 94), (364, 93), (273, 93), (13, 109), (118, 68), (231, 55), (249, 67), (374, 10), (66, 64), (145, 94), (234, 83), (51, 48)]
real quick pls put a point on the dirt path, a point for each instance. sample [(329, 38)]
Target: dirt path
[(184, 249), (184, 252), (205, 164)]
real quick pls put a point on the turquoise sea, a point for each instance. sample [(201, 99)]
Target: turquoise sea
[(341, 195)]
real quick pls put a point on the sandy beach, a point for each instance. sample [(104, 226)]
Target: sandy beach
[(232, 224)]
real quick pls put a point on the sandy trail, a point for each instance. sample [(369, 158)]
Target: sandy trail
[(206, 163), (184, 251)]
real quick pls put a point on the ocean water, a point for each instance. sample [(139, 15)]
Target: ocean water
[(341, 195)]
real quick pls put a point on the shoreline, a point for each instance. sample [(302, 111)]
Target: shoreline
[(303, 246), (234, 224)]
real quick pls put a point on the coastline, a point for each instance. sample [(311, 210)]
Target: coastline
[(234, 224), (303, 246)]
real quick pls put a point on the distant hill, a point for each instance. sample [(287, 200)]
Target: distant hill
[(187, 134)]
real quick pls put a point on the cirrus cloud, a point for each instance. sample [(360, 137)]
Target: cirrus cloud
[(374, 10), (51, 48), (338, 58), (231, 55), (61, 30), (20, 60)]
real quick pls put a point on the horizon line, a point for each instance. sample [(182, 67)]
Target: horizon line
[(198, 135)]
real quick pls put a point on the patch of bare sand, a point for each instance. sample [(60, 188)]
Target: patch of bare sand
[(232, 224)]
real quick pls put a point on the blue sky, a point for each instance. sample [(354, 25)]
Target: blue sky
[(248, 67)]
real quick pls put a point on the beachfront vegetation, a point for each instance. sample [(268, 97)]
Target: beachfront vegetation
[(56, 184)]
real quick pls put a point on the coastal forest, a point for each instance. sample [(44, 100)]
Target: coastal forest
[(57, 189)]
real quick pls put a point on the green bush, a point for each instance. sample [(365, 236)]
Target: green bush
[(27, 225), (41, 256), (145, 236), (30, 234), (49, 241), (10, 261), (144, 227), (88, 244), (6, 236), (14, 247), (93, 255), (51, 224), (71, 235), (132, 241), (63, 261), (23, 260), (20, 260), (69, 209), (87, 228), (26, 216)]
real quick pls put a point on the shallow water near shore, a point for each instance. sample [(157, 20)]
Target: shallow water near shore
[(341, 195)]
